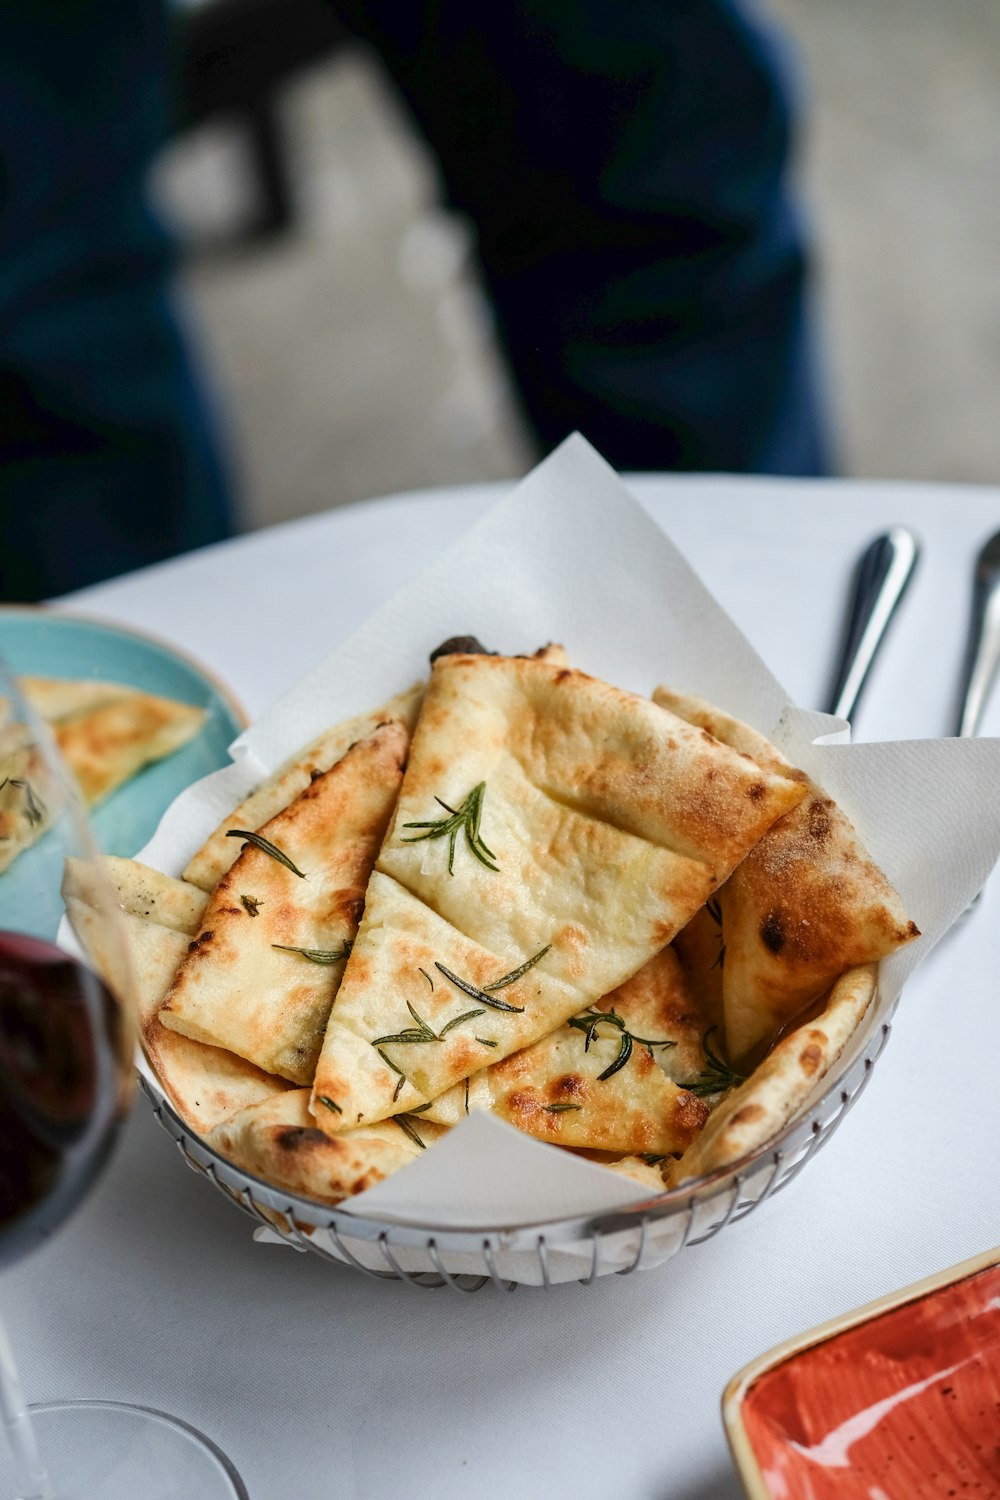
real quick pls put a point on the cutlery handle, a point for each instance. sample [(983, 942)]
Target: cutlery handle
[(883, 572), (983, 652)]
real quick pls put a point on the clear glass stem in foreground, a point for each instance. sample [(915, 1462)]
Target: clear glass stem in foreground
[(29, 1471)]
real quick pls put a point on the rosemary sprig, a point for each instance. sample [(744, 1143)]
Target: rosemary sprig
[(516, 974), (589, 1023), (465, 819), (330, 1103), (251, 905), (474, 992), (717, 1077), (560, 1109), (408, 1129), (315, 955), (422, 1032), (266, 847)]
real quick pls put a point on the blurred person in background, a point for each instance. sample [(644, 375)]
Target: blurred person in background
[(107, 457), (626, 169)]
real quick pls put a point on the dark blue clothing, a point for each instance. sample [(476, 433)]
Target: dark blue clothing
[(624, 165), (106, 457)]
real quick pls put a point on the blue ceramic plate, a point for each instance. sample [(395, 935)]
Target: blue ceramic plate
[(44, 643)]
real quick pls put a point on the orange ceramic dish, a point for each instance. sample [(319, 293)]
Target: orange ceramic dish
[(899, 1400)]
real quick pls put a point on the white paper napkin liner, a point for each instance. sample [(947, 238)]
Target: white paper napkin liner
[(475, 1178), (569, 555)]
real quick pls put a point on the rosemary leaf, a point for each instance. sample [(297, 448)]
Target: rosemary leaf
[(251, 905), (468, 1015), (624, 1053), (422, 1032), (474, 992), (266, 847), (411, 1036), (315, 955), (651, 1159), (418, 1109), (330, 1104), (516, 974), (427, 977), (560, 1109), (408, 1129), (389, 1063), (424, 1025), (484, 1041), (591, 1020)]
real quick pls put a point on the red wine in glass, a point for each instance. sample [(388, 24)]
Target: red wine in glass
[(61, 1087)]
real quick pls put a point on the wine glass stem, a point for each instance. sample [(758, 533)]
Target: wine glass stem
[(29, 1472)]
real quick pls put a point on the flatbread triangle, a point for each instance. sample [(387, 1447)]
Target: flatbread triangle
[(261, 975)]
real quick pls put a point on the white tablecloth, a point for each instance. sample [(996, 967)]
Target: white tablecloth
[(319, 1382)]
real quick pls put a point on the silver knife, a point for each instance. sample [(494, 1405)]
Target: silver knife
[(880, 580), (982, 654)]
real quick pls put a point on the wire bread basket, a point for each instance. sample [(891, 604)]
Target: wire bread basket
[(637, 1237)]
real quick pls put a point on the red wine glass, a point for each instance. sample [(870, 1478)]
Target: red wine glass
[(67, 1075)]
